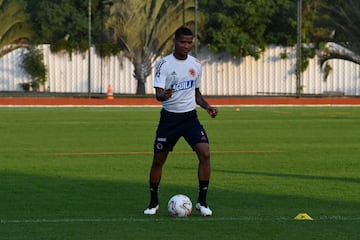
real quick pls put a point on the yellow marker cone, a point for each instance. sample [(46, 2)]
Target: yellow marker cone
[(303, 216)]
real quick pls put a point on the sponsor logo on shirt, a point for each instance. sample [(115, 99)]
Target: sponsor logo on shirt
[(183, 85)]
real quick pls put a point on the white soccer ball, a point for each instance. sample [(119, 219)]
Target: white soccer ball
[(179, 206)]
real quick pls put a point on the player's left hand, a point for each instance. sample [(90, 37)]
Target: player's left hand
[(213, 111)]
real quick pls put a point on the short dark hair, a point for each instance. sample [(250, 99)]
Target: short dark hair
[(183, 31)]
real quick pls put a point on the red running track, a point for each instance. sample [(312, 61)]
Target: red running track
[(225, 101)]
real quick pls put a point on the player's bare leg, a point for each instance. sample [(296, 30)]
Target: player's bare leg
[(203, 152), (204, 170), (154, 181), (157, 166)]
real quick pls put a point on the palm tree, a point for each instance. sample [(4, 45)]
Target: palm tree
[(144, 28), (344, 20), (15, 30)]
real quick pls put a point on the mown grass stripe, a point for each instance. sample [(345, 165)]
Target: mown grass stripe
[(150, 153)]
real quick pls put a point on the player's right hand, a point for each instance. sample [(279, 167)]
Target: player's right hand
[(163, 95), (168, 93)]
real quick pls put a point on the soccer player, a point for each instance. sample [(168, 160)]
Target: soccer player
[(177, 83)]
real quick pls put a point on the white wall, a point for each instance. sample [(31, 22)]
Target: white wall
[(223, 75)]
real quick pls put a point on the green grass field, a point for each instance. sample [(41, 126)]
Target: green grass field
[(82, 173)]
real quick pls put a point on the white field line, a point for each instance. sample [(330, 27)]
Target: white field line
[(154, 219)]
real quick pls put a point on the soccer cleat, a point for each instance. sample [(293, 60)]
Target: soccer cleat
[(205, 211), (151, 211)]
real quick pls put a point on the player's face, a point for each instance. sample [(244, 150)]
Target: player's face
[(183, 46)]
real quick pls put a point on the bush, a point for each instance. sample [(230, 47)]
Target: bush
[(33, 64)]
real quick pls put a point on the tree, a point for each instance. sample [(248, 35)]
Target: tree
[(343, 21), (15, 30), (241, 27), (144, 28), (63, 24), (281, 29)]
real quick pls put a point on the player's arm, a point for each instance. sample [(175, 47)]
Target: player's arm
[(200, 100), (163, 94)]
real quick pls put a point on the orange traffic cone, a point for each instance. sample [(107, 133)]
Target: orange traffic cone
[(110, 92)]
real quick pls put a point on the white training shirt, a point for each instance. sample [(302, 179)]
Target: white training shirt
[(181, 75)]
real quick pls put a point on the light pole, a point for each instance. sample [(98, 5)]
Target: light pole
[(102, 6), (299, 49), (89, 51), (183, 12), (196, 28)]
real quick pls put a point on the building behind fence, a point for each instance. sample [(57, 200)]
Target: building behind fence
[(273, 74)]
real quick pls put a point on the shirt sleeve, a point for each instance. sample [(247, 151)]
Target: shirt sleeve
[(198, 77), (160, 74)]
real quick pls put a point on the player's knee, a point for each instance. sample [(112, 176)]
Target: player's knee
[(159, 160), (204, 157), (203, 152)]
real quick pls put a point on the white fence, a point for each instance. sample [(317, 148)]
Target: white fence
[(223, 75)]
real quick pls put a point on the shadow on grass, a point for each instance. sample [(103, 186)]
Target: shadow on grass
[(34, 196), (83, 209), (292, 176)]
